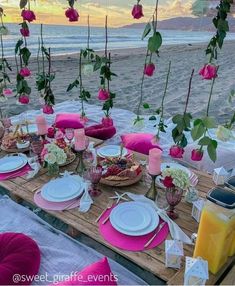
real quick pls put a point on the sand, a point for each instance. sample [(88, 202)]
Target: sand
[(128, 65)]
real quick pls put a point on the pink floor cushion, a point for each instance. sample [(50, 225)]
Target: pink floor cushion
[(20, 255), (68, 120), (98, 273), (139, 142), (100, 131)]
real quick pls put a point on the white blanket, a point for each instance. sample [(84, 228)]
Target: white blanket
[(60, 255), (123, 120)]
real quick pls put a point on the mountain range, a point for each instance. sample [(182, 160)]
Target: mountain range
[(186, 24)]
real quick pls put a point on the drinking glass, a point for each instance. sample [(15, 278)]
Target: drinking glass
[(69, 134), (173, 197), (94, 174)]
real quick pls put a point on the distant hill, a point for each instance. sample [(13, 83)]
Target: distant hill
[(185, 24)]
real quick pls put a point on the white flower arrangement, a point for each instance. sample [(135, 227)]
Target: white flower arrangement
[(54, 154), (179, 177)]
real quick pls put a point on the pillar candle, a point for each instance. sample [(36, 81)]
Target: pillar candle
[(155, 161), (80, 139), (41, 125)]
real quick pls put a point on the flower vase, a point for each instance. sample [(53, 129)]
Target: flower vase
[(173, 197), (53, 170)]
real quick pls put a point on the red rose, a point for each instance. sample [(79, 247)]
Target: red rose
[(25, 32), (208, 72), (197, 155), (176, 152), (48, 109), (28, 15), (24, 99), (103, 94), (72, 14), (149, 69), (137, 11), (168, 182), (25, 72), (51, 132)]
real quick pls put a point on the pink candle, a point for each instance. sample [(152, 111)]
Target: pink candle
[(155, 161), (80, 139), (41, 125)]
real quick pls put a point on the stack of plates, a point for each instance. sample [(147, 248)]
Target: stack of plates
[(62, 190), (111, 151), (12, 163), (134, 218)]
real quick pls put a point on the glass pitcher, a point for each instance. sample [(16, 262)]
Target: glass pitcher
[(216, 234)]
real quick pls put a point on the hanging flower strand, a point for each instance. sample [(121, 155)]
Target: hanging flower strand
[(4, 65), (71, 13), (21, 49)]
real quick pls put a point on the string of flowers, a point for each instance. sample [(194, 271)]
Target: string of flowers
[(21, 49), (4, 65), (43, 78), (71, 13), (86, 67), (154, 44)]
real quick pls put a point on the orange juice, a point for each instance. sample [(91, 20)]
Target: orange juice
[(216, 240)]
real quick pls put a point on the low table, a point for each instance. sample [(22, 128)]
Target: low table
[(151, 260)]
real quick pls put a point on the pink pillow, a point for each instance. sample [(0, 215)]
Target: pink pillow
[(68, 120), (19, 254), (100, 131), (139, 142), (98, 273)]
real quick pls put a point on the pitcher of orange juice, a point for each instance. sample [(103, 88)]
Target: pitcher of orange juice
[(216, 233)]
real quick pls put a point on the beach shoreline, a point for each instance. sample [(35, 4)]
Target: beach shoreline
[(128, 65)]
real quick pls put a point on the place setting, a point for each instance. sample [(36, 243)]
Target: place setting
[(132, 226)]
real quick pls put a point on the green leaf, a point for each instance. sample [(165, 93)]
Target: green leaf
[(211, 149), (155, 42), (223, 25), (147, 30), (205, 141), (197, 122), (177, 119), (209, 122), (23, 3), (25, 53), (197, 131), (153, 118), (146, 106), (18, 45)]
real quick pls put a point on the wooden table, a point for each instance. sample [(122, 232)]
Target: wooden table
[(150, 260)]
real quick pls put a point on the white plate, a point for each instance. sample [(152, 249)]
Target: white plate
[(111, 151), (133, 221), (62, 190), (12, 163), (175, 166)]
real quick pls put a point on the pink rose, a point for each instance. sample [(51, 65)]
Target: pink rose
[(197, 155), (51, 132), (28, 15), (107, 121), (48, 109), (176, 152), (137, 11), (24, 99), (59, 135), (7, 92), (72, 14), (103, 94), (25, 72), (168, 182), (208, 72), (149, 69), (25, 32)]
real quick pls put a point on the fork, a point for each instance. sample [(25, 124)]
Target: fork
[(109, 206), (153, 237)]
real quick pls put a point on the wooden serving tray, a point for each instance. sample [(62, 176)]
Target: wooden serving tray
[(15, 150), (121, 183), (69, 161)]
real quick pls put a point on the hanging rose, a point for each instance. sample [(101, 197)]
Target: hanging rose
[(48, 109), (7, 92), (107, 121), (28, 15), (51, 132), (25, 32), (149, 69), (25, 72), (24, 99), (208, 72), (196, 155), (176, 152), (103, 94), (72, 14), (137, 11)]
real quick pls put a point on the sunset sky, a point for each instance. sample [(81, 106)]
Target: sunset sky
[(52, 11)]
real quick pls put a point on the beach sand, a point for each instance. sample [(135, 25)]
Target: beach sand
[(128, 65)]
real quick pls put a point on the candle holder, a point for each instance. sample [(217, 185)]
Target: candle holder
[(152, 192), (81, 168)]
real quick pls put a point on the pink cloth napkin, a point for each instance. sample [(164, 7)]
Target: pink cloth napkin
[(130, 243), (46, 205), (14, 174)]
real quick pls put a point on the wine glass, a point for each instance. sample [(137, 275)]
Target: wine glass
[(94, 174), (69, 134), (173, 197)]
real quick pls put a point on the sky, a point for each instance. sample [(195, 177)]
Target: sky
[(118, 11)]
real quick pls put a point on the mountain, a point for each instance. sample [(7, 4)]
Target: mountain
[(186, 24)]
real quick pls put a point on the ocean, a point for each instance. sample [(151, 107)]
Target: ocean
[(70, 39)]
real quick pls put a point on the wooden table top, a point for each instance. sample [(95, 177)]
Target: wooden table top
[(151, 260)]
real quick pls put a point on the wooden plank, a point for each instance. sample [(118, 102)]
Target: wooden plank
[(229, 278)]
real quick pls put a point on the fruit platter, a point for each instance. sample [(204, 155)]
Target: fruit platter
[(120, 172), (14, 142)]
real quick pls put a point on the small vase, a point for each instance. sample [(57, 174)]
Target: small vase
[(173, 197), (53, 170)]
